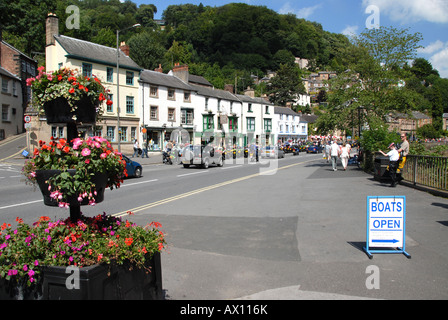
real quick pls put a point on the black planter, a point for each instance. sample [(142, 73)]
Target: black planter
[(42, 176), (98, 282), (59, 111)]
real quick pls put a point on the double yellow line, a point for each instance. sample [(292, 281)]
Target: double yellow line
[(190, 193)]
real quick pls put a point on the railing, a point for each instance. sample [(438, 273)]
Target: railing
[(427, 171)]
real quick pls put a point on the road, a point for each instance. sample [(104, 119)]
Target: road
[(259, 231)]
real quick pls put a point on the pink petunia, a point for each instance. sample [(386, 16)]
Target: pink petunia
[(85, 152)]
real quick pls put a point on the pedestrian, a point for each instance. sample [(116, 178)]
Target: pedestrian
[(345, 154), (334, 153), (145, 149), (403, 151), (135, 148), (394, 156), (327, 151)]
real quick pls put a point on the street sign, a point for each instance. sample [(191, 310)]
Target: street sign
[(27, 119), (386, 220)]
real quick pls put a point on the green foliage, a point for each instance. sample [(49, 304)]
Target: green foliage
[(24, 249)]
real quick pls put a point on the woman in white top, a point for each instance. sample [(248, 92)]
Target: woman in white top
[(394, 156), (345, 154)]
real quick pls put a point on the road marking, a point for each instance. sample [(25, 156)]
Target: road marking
[(135, 183), (232, 167), (20, 204), (191, 173), (191, 193)]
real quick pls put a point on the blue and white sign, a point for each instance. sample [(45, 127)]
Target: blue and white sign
[(386, 219)]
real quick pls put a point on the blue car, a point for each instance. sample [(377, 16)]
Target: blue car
[(133, 168), (314, 149)]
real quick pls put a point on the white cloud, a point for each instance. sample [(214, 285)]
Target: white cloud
[(350, 31), (432, 47), (300, 13), (406, 11), (439, 62)]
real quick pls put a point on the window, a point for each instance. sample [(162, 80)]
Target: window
[(5, 112), (110, 74), (154, 92), (186, 117), (123, 133), (171, 94), (110, 108), (154, 113), (86, 69), (206, 104), (14, 89), (233, 124), (267, 125), (133, 133), (5, 85), (171, 114), (110, 133), (208, 123), (129, 78), (250, 124), (60, 64), (267, 110), (249, 107), (129, 104), (187, 96)]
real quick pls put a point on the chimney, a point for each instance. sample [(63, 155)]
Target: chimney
[(181, 71), (159, 69), (125, 48), (228, 87), (52, 28)]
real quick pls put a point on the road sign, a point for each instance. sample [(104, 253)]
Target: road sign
[(386, 219), (27, 119)]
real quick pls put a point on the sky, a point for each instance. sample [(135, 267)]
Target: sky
[(429, 17)]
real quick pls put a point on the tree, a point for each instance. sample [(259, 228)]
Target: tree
[(146, 50), (372, 84), (286, 85)]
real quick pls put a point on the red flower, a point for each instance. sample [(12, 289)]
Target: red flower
[(71, 90), (128, 241), (109, 102), (66, 149)]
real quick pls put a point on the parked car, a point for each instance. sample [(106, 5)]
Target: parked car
[(133, 168), (272, 152), (295, 150), (314, 149), (202, 156)]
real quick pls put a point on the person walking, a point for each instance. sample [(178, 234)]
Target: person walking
[(327, 151), (334, 153), (345, 154), (394, 156), (145, 149), (403, 151), (135, 148)]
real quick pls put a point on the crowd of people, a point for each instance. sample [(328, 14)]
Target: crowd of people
[(333, 151)]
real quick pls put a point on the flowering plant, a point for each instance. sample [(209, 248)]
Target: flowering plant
[(24, 249), (68, 84), (89, 157)]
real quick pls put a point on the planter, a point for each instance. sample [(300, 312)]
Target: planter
[(42, 176), (59, 111), (98, 282)]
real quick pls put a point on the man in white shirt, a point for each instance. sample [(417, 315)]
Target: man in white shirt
[(334, 153), (394, 156)]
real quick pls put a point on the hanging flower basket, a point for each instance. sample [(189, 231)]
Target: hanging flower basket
[(65, 96), (59, 111), (99, 181), (75, 175)]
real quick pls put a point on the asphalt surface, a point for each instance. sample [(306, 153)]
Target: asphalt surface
[(296, 234)]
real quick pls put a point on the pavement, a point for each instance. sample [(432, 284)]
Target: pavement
[(321, 257)]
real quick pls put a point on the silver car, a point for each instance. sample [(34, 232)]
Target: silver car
[(272, 152)]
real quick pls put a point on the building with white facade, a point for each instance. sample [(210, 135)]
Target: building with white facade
[(289, 127), (94, 59)]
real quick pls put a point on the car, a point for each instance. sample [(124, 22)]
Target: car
[(133, 168), (314, 149), (203, 156), (295, 150), (272, 152)]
